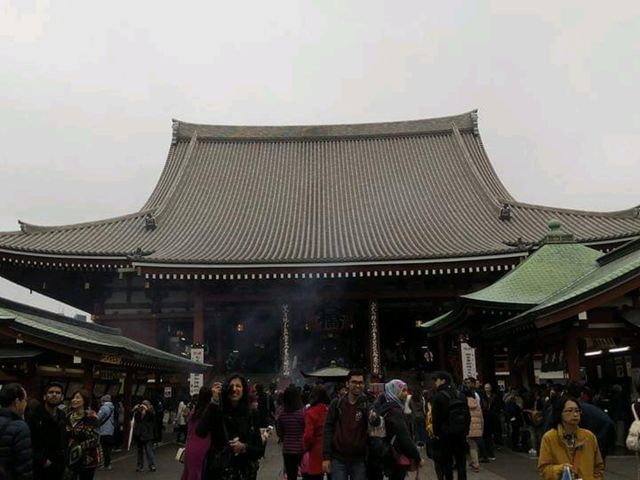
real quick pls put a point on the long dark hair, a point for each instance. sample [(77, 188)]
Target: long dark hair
[(291, 399), (243, 405), (202, 402), (319, 395)]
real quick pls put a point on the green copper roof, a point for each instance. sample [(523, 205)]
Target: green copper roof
[(549, 269), (594, 282), (602, 277), (90, 337), (437, 321)]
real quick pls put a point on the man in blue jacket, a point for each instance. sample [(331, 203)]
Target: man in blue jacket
[(15, 439)]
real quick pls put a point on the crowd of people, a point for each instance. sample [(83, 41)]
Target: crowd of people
[(346, 432)]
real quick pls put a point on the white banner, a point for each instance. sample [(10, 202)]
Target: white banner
[(468, 361), (196, 380)]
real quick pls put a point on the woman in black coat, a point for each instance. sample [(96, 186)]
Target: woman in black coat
[(236, 444), (144, 433), (404, 454)]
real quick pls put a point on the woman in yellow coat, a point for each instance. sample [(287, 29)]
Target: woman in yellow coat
[(569, 445)]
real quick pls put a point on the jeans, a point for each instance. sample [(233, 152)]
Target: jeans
[(348, 469), (146, 448)]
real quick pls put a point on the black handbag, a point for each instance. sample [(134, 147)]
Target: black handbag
[(220, 460)]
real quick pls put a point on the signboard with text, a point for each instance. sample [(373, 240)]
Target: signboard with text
[(196, 380), (468, 361)]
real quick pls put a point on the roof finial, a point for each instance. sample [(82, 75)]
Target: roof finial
[(174, 134), (474, 118), (556, 234)]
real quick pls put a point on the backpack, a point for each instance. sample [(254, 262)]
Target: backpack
[(633, 437), (459, 421)]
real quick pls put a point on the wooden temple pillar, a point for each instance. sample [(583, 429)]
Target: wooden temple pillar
[(198, 316), (515, 376), (375, 366), (87, 379), (442, 354), (285, 342), (572, 355), (219, 359)]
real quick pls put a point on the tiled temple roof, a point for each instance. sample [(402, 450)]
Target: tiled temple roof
[(86, 337), (319, 194)]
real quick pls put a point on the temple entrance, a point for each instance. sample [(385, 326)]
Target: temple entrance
[(326, 332)]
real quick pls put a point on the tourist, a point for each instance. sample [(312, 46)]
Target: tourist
[(476, 427), (106, 428), (144, 433), (451, 419), (16, 461), (594, 419), (314, 427), (158, 429), (236, 442), (569, 446), (290, 429), (404, 452), (345, 432), (196, 447), (47, 425), (491, 409), (82, 439), (180, 422)]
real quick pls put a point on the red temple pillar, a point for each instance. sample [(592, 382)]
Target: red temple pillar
[(572, 355), (198, 317), (87, 380)]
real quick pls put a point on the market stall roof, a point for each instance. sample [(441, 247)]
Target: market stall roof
[(558, 263), (619, 269), (246, 197), (85, 339)]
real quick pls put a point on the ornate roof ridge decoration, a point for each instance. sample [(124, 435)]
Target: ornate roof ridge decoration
[(467, 121), (625, 213), (29, 228), (556, 234)]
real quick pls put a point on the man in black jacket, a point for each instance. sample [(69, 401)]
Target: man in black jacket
[(15, 440), (345, 432), (47, 426), (451, 420)]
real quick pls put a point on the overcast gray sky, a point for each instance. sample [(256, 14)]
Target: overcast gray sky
[(88, 89)]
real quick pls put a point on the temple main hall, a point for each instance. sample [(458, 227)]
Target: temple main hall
[(280, 249)]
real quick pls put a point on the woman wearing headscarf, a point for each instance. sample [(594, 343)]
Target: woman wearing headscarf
[(236, 443), (83, 441), (569, 447), (404, 452)]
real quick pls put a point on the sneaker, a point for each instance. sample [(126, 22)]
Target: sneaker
[(533, 452), (152, 469), (492, 458), (139, 469)]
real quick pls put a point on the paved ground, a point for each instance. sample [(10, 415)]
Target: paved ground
[(508, 466)]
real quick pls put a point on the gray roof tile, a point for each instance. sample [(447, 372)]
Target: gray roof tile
[(374, 192)]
